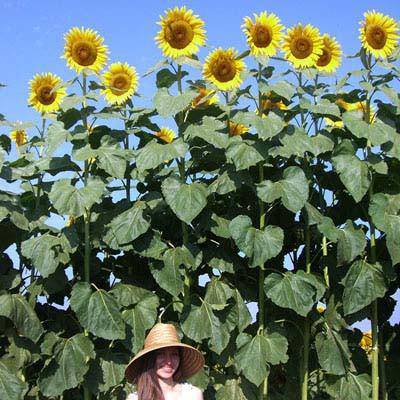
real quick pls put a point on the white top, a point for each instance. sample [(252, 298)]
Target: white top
[(187, 391)]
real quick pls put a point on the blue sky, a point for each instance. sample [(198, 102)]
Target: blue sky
[(31, 35)]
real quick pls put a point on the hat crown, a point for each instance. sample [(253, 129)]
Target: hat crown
[(161, 334)]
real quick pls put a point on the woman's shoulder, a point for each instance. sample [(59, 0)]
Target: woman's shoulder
[(189, 388), (132, 396)]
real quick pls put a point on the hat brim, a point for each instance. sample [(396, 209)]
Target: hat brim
[(192, 360)]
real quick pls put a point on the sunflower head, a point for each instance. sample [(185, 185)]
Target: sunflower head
[(46, 92), (165, 134), (181, 33), (330, 58), (263, 34), (268, 103), (379, 34), (366, 342), (302, 46), (206, 97), (120, 81), (19, 136), (236, 129), (84, 49), (223, 69)]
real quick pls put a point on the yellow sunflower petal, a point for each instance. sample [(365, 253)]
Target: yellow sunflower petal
[(205, 98), (19, 136), (223, 69), (46, 92), (84, 49), (332, 123), (120, 81), (379, 34), (236, 129), (268, 104), (165, 134), (330, 59), (366, 342), (302, 46), (181, 33), (358, 106), (264, 34)]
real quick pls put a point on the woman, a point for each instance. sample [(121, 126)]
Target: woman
[(160, 368)]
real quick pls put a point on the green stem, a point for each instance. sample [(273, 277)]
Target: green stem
[(86, 392), (128, 178), (325, 254), (382, 368), (263, 388), (182, 173)]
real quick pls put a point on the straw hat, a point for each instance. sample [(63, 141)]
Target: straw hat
[(165, 335)]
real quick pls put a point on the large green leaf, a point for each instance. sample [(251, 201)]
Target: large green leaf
[(298, 291), (201, 323), (263, 349), (363, 284), (11, 386), (266, 127), (350, 387), (140, 311), (258, 245), (185, 200), (352, 172), (230, 391), (384, 210), (293, 189), (217, 294), (168, 106), (326, 108), (69, 367), (45, 252), (209, 132), (239, 315), (97, 311), (23, 316), (127, 226), (111, 158), (56, 135), (68, 199), (333, 352), (243, 155), (154, 154), (351, 243)]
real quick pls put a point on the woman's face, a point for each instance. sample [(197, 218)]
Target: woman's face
[(167, 362)]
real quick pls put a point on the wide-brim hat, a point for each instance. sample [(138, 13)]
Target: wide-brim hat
[(165, 335)]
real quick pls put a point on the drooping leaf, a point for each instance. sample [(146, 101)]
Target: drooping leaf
[(363, 284), (350, 387), (24, 318), (293, 189), (185, 200), (351, 243), (258, 245), (209, 132), (97, 311), (298, 291), (242, 155), (168, 106), (11, 386)]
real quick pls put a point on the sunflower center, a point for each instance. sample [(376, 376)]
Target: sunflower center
[(179, 34), (45, 94), (84, 53), (120, 84), (301, 47), (261, 36), (224, 69), (376, 37), (324, 59)]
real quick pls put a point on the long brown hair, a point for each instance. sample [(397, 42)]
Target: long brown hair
[(147, 384)]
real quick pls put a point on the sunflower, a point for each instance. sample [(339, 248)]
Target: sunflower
[(378, 34), (19, 136), (205, 98), (330, 59), (181, 33), (302, 45), (358, 106), (268, 103), (84, 49), (264, 34), (366, 342), (223, 69), (165, 134), (121, 82), (46, 92), (332, 123), (236, 129)]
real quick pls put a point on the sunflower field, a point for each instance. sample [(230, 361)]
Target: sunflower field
[(254, 176)]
